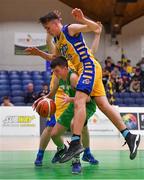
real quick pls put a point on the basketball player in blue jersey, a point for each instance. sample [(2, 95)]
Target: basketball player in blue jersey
[(46, 134), (69, 42)]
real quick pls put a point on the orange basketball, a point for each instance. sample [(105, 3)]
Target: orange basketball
[(46, 107)]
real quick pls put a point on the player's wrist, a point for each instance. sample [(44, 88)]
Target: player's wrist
[(83, 20), (39, 52)]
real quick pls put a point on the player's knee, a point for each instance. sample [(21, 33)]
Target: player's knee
[(48, 129), (102, 103), (53, 134)]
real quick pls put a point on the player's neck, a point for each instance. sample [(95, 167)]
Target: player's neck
[(65, 77), (59, 33)]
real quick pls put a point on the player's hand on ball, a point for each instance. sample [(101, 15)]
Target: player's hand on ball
[(35, 103), (34, 106)]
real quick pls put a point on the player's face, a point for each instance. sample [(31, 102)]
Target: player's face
[(52, 28), (61, 72), (6, 102)]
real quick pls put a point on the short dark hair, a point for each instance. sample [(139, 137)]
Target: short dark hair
[(6, 98), (45, 84), (48, 17), (59, 61)]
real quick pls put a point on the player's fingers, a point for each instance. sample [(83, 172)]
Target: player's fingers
[(27, 49), (36, 103), (61, 97), (58, 13), (34, 107), (74, 10), (63, 103)]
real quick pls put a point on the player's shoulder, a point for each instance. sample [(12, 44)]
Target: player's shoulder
[(68, 29), (73, 76)]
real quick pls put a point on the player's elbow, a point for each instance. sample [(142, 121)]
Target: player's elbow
[(97, 29)]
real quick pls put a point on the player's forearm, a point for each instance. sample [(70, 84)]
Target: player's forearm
[(95, 44), (93, 26), (51, 46), (46, 56)]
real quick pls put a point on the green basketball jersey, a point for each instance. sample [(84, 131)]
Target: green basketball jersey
[(67, 115), (66, 85)]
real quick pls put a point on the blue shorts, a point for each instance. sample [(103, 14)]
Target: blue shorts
[(51, 122), (86, 79)]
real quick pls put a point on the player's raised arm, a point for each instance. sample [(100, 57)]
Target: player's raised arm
[(96, 40), (86, 26)]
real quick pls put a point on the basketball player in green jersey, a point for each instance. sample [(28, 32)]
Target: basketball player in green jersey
[(66, 79)]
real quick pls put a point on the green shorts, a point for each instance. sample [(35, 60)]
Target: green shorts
[(68, 114)]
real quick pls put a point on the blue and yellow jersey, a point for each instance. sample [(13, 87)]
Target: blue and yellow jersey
[(74, 49)]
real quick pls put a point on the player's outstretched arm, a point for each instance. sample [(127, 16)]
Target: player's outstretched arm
[(86, 26), (47, 56), (36, 52)]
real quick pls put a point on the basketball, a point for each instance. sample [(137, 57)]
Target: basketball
[(46, 107)]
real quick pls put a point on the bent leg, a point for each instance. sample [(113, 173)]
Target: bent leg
[(131, 139), (44, 140), (58, 130), (110, 112), (56, 134)]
